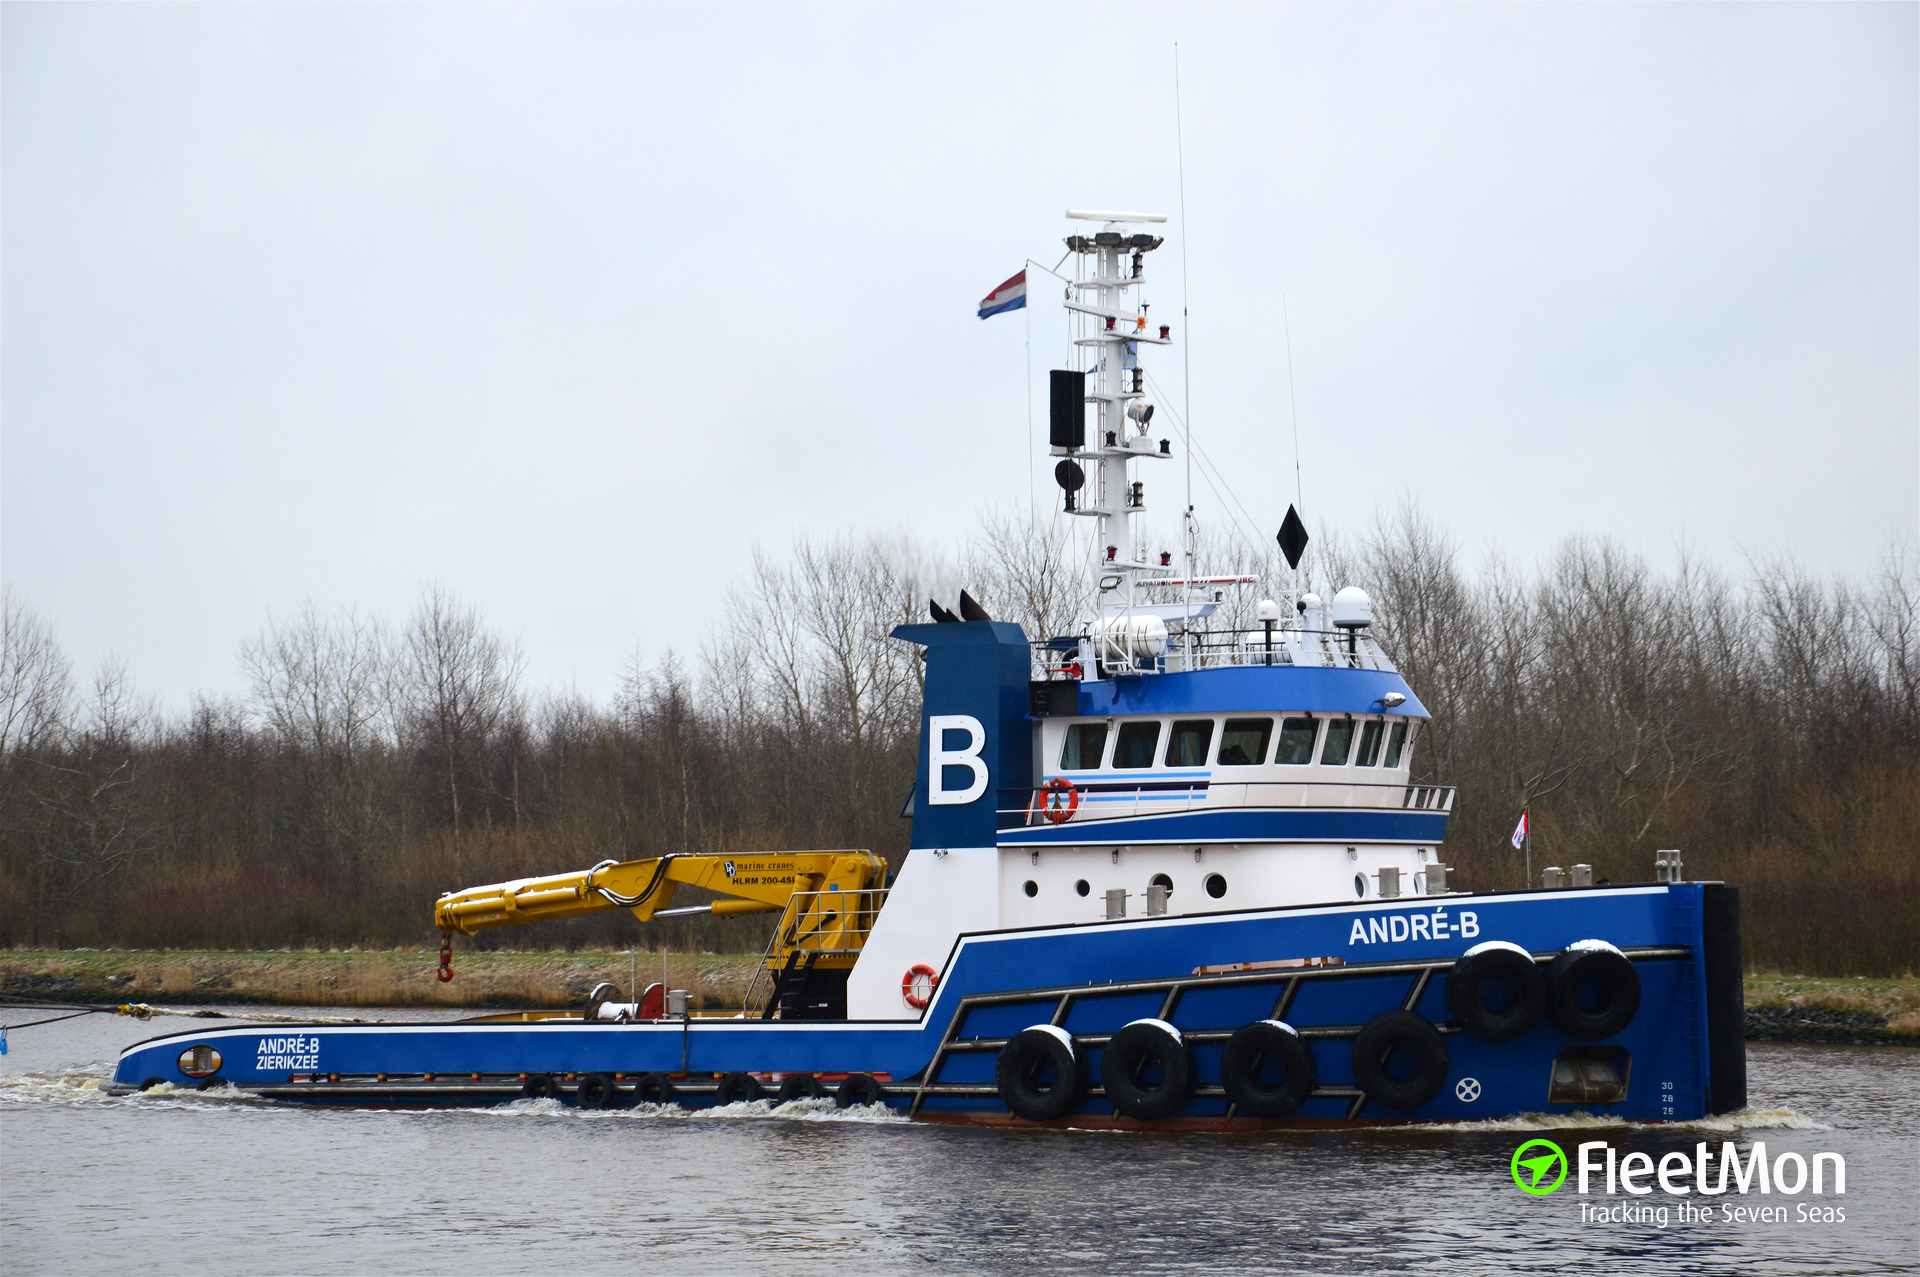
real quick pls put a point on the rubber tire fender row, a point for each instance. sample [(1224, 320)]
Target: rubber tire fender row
[(1619, 985), (597, 1091), (1258, 1043), (653, 1088), (1026, 1056), (1469, 979), (858, 1088), (1399, 1030), (737, 1088), (1128, 1054), (799, 1086), (539, 1086)]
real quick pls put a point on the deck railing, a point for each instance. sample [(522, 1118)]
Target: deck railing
[(1042, 806), (1213, 649), (817, 923)]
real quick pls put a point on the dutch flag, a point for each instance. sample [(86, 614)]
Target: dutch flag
[(1520, 830), (1011, 295)]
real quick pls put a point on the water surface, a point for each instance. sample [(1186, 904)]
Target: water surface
[(185, 1182)]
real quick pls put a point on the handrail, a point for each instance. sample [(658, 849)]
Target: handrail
[(1176, 797), (787, 936)]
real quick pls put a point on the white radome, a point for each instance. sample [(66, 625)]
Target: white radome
[(1352, 609)]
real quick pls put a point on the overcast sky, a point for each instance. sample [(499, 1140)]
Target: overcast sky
[(568, 307)]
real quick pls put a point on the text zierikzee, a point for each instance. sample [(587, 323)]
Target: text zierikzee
[(280, 1054)]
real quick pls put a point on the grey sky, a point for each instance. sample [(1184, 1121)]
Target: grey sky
[(566, 307)]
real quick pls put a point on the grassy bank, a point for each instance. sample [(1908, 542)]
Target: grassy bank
[(1804, 1008), (1833, 1009), (386, 978)]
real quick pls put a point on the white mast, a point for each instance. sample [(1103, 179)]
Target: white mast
[(1110, 296)]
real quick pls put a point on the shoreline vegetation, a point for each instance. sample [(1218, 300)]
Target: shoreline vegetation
[(1766, 724), (1779, 1007)]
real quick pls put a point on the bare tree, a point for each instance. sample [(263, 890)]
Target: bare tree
[(459, 688), (35, 680)]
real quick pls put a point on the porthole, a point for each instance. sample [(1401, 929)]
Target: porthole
[(1032, 888), (1360, 886), (1161, 880), (198, 1061), (1216, 886), (1081, 887)]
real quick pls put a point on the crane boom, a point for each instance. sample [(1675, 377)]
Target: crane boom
[(758, 882)]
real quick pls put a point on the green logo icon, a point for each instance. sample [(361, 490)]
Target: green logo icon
[(1537, 1166)]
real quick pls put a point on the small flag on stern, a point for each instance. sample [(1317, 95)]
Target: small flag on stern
[(1520, 830), (1011, 295)]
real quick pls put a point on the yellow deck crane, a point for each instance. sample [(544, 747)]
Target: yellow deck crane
[(827, 901)]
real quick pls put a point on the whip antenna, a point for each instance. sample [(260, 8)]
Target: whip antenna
[(1186, 319)]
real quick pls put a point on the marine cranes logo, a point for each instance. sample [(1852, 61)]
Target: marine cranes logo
[(1537, 1167)]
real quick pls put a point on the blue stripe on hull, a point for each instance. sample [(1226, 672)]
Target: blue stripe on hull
[(1245, 824), (1667, 1039)]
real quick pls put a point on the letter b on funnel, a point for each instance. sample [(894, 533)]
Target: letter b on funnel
[(939, 758)]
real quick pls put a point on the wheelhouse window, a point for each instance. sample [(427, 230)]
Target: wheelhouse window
[(1086, 742), (1296, 741), (1136, 744), (1369, 744), (1396, 740), (1339, 743), (1243, 742), (1187, 744)]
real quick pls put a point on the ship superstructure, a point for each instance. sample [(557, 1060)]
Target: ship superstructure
[(1175, 765)]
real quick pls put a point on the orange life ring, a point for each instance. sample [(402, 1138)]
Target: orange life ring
[(1055, 789), (919, 977)]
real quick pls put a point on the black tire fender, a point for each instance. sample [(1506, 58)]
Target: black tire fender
[(1491, 964), (1021, 1073), (1255, 1044), (799, 1086), (1392, 1031), (1588, 963), (597, 1091), (737, 1088), (858, 1088), (653, 1088), (152, 1082), (539, 1086), (1127, 1056)]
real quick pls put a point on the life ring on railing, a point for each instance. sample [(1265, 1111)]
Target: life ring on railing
[(1055, 789), (918, 984)]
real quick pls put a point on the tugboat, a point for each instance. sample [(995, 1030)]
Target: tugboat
[(1164, 874)]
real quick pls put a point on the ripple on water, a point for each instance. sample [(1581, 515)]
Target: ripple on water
[(822, 1110)]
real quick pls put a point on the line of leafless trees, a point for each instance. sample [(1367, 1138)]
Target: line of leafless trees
[(1768, 726)]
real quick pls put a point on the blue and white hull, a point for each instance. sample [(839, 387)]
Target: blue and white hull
[(1678, 1059)]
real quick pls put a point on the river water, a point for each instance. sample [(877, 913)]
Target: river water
[(189, 1182)]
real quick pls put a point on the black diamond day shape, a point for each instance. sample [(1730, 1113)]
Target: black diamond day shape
[(1293, 537)]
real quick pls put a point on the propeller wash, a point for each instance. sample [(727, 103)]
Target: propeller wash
[(1163, 873)]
